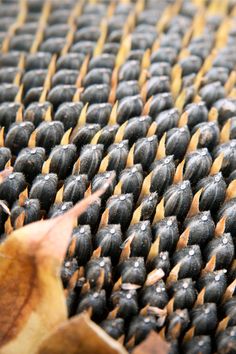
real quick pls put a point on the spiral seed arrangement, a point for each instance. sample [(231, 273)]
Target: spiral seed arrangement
[(144, 91)]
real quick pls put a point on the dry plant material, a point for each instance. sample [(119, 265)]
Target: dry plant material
[(80, 335), (153, 344), (32, 298)]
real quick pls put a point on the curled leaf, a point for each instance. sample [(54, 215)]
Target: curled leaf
[(153, 344), (80, 335), (32, 300)]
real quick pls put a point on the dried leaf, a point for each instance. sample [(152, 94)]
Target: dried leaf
[(80, 335), (153, 344), (31, 295)]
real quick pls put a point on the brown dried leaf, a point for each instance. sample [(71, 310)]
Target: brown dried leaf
[(153, 344), (31, 295), (80, 335)]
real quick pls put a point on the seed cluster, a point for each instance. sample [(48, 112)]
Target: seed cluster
[(143, 93)]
